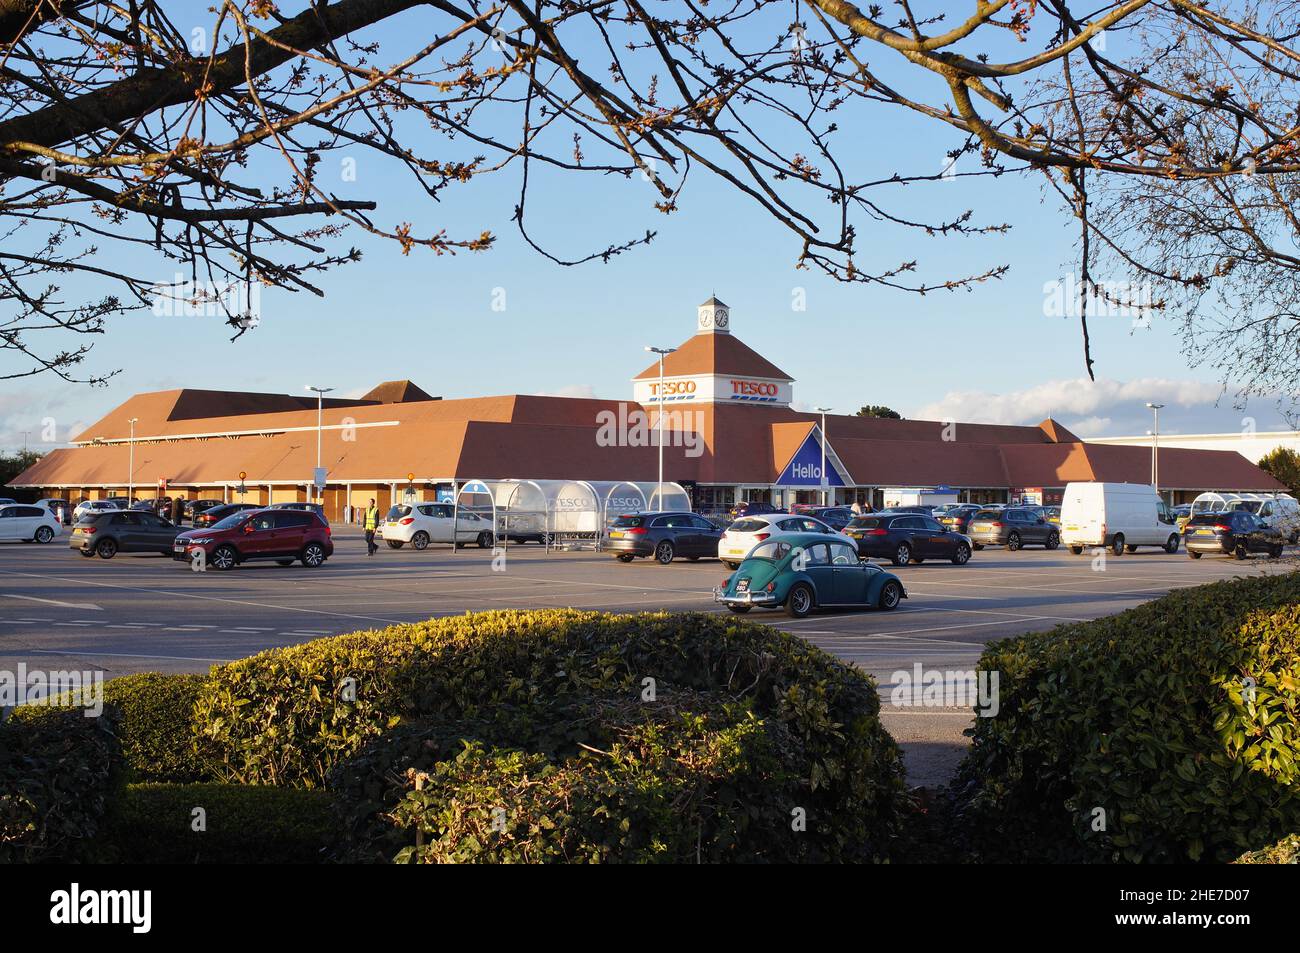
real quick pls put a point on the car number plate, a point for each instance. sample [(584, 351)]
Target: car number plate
[(1205, 532), (616, 535), (742, 586)]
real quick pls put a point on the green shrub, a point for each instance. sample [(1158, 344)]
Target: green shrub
[(242, 824), (1147, 716), (58, 772), (1285, 851), (155, 725), (748, 730)]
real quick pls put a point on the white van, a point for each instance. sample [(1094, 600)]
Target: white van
[(1283, 514), (1120, 516)]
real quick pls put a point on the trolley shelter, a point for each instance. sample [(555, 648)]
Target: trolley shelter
[(562, 514)]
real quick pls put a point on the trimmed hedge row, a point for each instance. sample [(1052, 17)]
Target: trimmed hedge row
[(634, 737), (1169, 732), (58, 772), (1285, 851), (219, 824)]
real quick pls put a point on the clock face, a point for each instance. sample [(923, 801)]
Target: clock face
[(722, 317), (706, 320)]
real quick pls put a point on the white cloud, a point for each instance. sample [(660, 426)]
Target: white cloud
[(1096, 405), (572, 390)]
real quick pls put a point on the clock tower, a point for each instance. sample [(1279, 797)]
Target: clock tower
[(714, 318)]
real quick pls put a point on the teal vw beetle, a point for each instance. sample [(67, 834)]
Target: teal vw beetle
[(802, 571)]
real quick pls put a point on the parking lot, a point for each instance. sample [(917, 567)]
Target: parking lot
[(148, 613)]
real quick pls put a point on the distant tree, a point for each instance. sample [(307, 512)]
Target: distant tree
[(879, 410), (1284, 465), (12, 464)]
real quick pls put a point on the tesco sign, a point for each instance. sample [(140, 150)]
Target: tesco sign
[(753, 388), (673, 388)]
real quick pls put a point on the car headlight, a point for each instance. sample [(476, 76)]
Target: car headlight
[(202, 540)]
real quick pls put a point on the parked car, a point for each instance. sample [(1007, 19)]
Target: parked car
[(1119, 516), (927, 509), (60, 507), (5, 500), (94, 506), (905, 538), (29, 523), (752, 508), (664, 536), (194, 507), (215, 514), (806, 571), (1234, 532), (1013, 528), (957, 516), (836, 517), (743, 535), (106, 534), (423, 523), (281, 535), (316, 508)]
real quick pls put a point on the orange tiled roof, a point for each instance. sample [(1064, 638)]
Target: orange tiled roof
[(715, 354)]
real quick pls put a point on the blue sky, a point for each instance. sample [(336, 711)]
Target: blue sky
[(986, 354)]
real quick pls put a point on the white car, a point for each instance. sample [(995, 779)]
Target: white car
[(28, 522), (94, 508), (748, 531), (423, 523)]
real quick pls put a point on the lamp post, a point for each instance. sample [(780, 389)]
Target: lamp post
[(1155, 445), (662, 352), (130, 476), (825, 482), (320, 398)]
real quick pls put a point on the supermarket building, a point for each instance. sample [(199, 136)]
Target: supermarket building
[(730, 434)]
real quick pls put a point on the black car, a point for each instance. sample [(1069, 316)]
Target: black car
[(316, 508), (957, 518), (904, 538), (106, 534), (663, 536), (194, 507), (215, 514), (1236, 532), (836, 517), (752, 508)]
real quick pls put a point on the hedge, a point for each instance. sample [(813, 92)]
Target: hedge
[(747, 744), (240, 824), (1169, 732), (154, 724), (1285, 851), (58, 772)]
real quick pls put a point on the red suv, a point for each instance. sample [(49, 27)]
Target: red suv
[(282, 535)]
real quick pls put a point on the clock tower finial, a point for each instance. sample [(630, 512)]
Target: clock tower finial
[(714, 318)]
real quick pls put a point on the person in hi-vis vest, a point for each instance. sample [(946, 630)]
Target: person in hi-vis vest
[(371, 524)]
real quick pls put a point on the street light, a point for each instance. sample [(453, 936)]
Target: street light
[(661, 351), (130, 476), (825, 482), (320, 397), (1155, 445)]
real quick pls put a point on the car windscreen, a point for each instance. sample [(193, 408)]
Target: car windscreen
[(231, 521), (1205, 519), (398, 511), (627, 522), (987, 515), (748, 526), (863, 522)]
